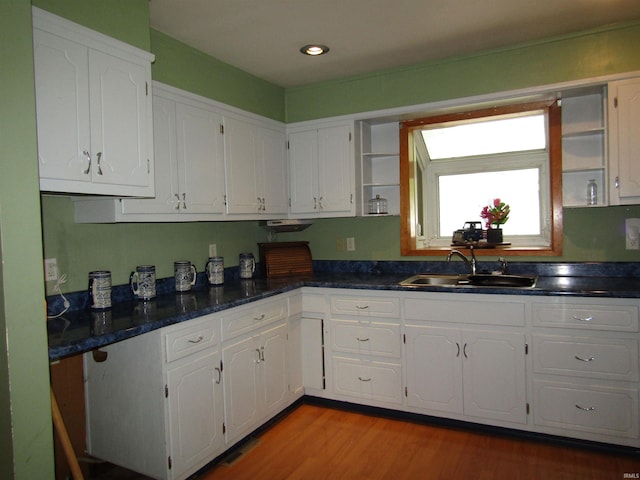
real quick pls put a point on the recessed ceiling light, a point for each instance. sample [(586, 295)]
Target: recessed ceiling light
[(314, 50)]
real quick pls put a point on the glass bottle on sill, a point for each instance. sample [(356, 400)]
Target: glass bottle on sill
[(592, 193)]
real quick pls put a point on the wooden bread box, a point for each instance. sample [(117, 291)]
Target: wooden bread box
[(284, 259)]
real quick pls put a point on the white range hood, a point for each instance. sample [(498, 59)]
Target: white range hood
[(279, 226)]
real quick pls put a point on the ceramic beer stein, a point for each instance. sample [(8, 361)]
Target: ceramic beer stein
[(143, 282), (185, 275)]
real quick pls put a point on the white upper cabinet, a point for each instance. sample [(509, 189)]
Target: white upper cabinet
[(624, 141), (94, 109), (256, 168), (322, 170)]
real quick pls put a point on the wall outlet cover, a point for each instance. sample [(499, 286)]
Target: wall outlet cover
[(632, 233)]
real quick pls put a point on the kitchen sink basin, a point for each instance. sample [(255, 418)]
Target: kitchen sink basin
[(477, 280), (488, 280), (426, 279)]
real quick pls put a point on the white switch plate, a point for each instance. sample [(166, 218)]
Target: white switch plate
[(50, 269), (213, 250), (632, 233), (351, 244)]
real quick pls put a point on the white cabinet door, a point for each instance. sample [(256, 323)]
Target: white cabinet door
[(494, 375), (321, 163), (624, 141), (200, 159), (273, 346), (195, 412), (62, 101), (335, 167), (434, 369), (241, 363), (243, 170), (303, 165), (119, 100), (272, 152)]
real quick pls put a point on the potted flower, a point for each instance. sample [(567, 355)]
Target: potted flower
[(495, 215)]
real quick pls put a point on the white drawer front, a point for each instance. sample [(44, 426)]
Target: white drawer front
[(464, 311), (596, 317), (194, 336), (240, 320), (593, 409), (366, 338), (611, 358), (378, 381), (366, 306)]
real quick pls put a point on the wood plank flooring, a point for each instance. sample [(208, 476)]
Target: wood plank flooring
[(314, 442)]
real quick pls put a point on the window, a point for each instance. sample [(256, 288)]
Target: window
[(458, 163)]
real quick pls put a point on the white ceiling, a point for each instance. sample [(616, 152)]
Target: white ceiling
[(263, 37)]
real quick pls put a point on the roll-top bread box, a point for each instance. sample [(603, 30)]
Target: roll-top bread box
[(283, 259)]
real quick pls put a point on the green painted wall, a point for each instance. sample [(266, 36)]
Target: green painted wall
[(586, 55), (26, 441)]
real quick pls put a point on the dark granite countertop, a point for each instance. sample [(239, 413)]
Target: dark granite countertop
[(81, 330)]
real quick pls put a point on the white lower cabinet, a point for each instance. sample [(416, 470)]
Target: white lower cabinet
[(256, 384), (478, 373), (585, 369), (155, 404)]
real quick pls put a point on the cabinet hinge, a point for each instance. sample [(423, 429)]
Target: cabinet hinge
[(225, 200), (221, 365), (615, 102), (221, 129), (288, 146), (166, 391), (169, 462), (404, 338), (224, 428), (146, 88), (526, 349), (349, 136), (406, 392), (528, 409), (148, 166)]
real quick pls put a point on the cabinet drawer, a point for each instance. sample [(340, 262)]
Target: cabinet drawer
[(240, 320), (464, 311), (366, 306), (382, 339), (196, 335), (370, 380), (593, 409), (596, 317), (611, 358)]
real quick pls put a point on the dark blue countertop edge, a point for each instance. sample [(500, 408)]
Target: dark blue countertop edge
[(81, 330)]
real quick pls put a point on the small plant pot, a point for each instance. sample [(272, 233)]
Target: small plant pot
[(494, 235)]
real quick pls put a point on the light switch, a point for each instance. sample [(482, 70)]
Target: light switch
[(632, 233)]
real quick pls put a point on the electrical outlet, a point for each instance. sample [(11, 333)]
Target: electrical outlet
[(213, 250), (351, 244), (340, 244), (50, 269), (632, 233)]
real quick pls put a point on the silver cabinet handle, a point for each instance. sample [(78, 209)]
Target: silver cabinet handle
[(184, 201), (264, 204), (262, 353), (362, 307), (259, 356), (315, 203), (320, 203), (464, 351), (88, 155), (364, 379), (177, 204), (580, 319), (617, 182), (99, 155), (257, 319), (586, 409), (362, 339), (197, 340), (259, 203), (588, 359), (458, 345), (219, 376)]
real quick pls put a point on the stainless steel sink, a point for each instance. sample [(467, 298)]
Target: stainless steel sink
[(443, 279), (517, 281), (477, 280)]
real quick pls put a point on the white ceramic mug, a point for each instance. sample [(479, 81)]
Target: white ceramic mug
[(100, 289), (247, 265), (143, 282), (185, 275), (215, 270)]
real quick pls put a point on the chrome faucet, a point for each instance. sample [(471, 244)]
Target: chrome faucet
[(471, 264)]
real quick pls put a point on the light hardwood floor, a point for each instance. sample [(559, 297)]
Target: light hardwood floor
[(314, 442)]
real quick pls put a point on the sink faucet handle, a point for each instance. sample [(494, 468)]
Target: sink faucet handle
[(504, 266)]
